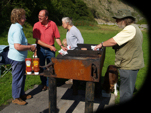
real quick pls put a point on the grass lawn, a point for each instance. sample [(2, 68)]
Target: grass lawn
[(91, 35)]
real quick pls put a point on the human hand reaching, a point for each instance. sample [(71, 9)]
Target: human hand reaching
[(52, 48), (64, 48), (98, 46), (33, 48)]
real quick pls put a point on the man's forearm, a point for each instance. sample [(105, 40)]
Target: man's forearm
[(52, 48), (60, 44), (58, 41), (109, 43), (43, 44)]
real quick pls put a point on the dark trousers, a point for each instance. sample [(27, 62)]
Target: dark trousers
[(44, 54), (18, 78), (127, 83)]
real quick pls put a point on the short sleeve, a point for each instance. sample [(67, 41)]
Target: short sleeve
[(125, 35), (36, 32), (56, 31), (17, 36)]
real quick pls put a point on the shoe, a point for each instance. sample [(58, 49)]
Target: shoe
[(44, 88), (70, 81), (24, 97), (19, 101)]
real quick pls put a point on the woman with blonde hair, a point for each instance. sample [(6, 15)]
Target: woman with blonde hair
[(18, 47)]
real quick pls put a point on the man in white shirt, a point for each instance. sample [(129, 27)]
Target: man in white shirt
[(128, 52)]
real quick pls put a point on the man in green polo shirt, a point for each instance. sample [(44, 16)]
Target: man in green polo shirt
[(128, 52)]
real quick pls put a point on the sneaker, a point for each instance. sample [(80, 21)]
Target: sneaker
[(24, 97), (19, 101)]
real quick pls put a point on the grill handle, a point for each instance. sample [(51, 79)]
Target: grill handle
[(94, 72), (47, 66)]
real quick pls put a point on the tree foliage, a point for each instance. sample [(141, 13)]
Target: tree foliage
[(57, 9)]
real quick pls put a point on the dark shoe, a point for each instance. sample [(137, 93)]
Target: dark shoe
[(24, 97), (44, 88), (19, 101)]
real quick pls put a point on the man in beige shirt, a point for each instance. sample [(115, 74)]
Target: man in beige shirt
[(128, 52)]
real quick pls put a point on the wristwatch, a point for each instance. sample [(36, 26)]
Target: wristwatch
[(102, 44), (61, 45)]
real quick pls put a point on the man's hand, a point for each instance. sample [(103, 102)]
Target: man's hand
[(52, 48), (109, 43), (98, 46), (64, 48)]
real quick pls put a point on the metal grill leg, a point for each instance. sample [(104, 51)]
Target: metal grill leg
[(52, 95), (89, 97)]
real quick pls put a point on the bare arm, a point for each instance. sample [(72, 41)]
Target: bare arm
[(109, 43), (52, 48), (60, 44), (20, 47)]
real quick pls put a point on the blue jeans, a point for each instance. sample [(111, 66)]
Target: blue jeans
[(18, 78), (44, 54)]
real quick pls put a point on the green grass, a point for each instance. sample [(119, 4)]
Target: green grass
[(92, 35)]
